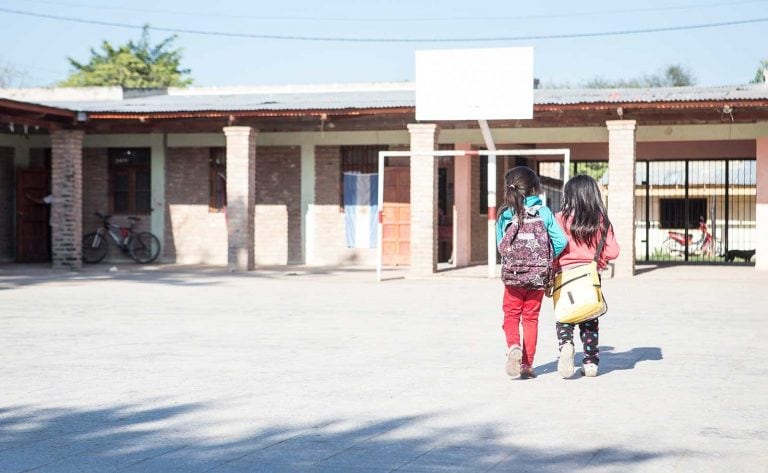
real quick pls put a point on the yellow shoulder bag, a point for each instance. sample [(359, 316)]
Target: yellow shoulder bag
[(577, 291)]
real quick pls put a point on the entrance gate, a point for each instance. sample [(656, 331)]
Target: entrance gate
[(695, 211)]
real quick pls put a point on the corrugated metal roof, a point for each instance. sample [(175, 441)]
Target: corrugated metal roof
[(650, 95), (402, 97), (252, 102)]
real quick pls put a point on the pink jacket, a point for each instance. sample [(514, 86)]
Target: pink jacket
[(577, 253)]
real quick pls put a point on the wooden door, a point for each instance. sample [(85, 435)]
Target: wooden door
[(32, 239), (396, 217)]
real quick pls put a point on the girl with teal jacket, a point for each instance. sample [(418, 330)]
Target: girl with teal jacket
[(522, 187)]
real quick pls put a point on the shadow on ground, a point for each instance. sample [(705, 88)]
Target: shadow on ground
[(19, 275), (611, 360), (129, 438)]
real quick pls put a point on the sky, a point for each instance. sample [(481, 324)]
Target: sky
[(37, 47)]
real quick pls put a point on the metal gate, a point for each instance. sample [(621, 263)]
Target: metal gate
[(697, 211)]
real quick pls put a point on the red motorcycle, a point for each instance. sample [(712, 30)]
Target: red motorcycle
[(704, 246)]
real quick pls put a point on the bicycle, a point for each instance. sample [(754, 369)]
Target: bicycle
[(142, 247), (705, 246)]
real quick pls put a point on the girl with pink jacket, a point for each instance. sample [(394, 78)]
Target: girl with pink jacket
[(584, 221)]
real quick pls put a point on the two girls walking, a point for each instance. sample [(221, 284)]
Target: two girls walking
[(575, 234)]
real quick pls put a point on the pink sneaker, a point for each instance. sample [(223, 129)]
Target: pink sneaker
[(526, 372), (514, 357)]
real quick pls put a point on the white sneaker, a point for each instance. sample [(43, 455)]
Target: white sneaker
[(514, 358), (590, 370), (565, 362)]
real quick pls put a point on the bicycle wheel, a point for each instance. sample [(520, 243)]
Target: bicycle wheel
[(94, 248), (671, 247), (144, 247)]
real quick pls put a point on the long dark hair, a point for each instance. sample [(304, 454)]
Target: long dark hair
[(519, 183), (583, 207)]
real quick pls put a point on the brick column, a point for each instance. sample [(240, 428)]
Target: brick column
[(423, 200), (241, 196), (621, 191), (67, 192), (761, 217)]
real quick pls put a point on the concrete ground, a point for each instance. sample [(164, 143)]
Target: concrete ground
[(195, 369)]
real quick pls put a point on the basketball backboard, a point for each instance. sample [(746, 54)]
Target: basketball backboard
[(474, 84)]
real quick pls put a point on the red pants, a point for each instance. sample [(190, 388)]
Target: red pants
[(522, 304)]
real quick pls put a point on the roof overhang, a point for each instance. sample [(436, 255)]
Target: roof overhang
[(30, 114)]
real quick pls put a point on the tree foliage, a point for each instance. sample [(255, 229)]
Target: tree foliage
[(760, 73), (674, 75), (595, 169), (132, 65), (11, 76)]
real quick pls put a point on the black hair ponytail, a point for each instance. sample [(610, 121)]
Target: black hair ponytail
[(519, 183)]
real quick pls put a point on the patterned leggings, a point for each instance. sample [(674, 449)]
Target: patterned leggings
[(588, 331)]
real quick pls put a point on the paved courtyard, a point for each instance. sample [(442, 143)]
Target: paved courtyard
[(196, 369)]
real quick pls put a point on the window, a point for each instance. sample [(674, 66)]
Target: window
[(673, 212), (217, 179), (362, 159), (130, 180)]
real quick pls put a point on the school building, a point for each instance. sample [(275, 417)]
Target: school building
[(253, 176)]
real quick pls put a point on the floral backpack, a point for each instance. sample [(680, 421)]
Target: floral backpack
[(526, 253)]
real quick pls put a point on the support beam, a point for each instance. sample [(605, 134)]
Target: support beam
[(423, 199), (67, 205), (462, 207), (159, 148), (761, 226), (621, 191), (241, 196), (307, 202)]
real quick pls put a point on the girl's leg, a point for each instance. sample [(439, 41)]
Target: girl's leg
[(531, 309), (513, 310), (565, 365), (589, 332), (564, 333)]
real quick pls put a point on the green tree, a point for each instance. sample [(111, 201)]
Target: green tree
[(760, 73), (594, 169), (673, 75), (11, 76), (131, 65)]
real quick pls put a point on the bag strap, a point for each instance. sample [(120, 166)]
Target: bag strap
[(601, 244)]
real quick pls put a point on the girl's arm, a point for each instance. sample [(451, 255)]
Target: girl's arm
[(556, 234), (499, 230), (611, 248)]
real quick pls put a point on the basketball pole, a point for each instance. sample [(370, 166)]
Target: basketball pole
[(488, 138)]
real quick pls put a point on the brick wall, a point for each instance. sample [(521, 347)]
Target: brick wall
[(328, 233), (96, 199), (277, 220), (7, 199), (193, 234)]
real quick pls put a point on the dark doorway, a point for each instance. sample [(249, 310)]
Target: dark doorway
[(32, 216)]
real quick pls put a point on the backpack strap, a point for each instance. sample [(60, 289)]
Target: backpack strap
[(601, 244), (533, 210)]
